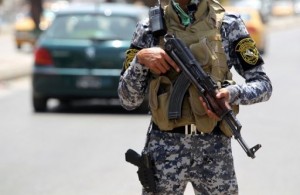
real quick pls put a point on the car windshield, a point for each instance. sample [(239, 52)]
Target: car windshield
[(89, 26)]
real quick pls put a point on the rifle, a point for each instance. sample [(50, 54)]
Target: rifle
[(207, 87)]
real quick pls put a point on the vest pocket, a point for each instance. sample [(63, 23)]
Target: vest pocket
[(219, 66), (201, 51), (159, 94), (202, 121)]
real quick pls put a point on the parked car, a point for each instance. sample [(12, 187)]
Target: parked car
[(264, 6), (283, 8), (81, 54), (254, 24), (24, 27)]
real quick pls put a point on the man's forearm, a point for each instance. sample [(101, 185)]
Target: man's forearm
[(133, 85), (258, 88)]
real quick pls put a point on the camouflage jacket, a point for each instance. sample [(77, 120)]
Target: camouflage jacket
[(134, 76)]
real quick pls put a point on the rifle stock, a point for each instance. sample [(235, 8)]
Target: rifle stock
[(207, 88)]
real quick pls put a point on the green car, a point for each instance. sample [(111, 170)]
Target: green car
[(81, 54)]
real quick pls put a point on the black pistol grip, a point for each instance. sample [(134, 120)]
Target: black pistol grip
[(133, 157)]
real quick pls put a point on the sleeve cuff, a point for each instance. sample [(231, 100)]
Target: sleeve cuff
[(137, 66), (233, 94)]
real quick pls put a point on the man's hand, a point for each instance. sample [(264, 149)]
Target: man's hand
[(222, 93), (156, 59)]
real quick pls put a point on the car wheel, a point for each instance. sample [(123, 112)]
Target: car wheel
[(144, 107), (19, 46), (65, 103), (262, 50), (39, 104)]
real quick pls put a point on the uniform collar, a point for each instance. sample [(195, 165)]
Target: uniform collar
[(188, 18)]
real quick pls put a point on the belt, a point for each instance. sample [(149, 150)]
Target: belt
[(187, 129)]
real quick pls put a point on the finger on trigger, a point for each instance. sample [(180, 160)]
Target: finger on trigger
[(172, 63)]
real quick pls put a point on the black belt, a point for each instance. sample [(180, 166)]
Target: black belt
[(183, 130)]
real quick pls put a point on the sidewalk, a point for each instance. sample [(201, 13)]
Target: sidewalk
[(11, 69), (14, 64)]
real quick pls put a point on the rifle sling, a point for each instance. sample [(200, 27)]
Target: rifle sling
[(180, 87)]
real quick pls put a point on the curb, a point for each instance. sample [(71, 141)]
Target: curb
[(13, 63), (16, 72)]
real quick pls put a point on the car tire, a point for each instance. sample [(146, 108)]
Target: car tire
[(65, 103), (18, 46), (39, 104), (144, 107)]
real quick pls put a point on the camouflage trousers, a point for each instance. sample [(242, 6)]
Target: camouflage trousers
[(203, 160)]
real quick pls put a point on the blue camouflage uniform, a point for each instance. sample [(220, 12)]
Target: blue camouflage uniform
[(205, 160)]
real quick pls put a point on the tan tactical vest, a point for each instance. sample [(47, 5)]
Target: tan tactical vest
[(204, 39)]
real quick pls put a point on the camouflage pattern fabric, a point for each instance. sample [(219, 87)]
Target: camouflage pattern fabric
[(205, 160), (258, 88)]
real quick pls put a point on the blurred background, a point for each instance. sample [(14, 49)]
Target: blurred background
[(62, 130), (27, 18)]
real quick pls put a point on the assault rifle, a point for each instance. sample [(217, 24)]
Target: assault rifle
[(207, 87)]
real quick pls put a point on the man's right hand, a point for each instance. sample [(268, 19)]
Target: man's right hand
[(156, 59)]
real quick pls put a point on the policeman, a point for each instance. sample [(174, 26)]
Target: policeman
[(195, 148)]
